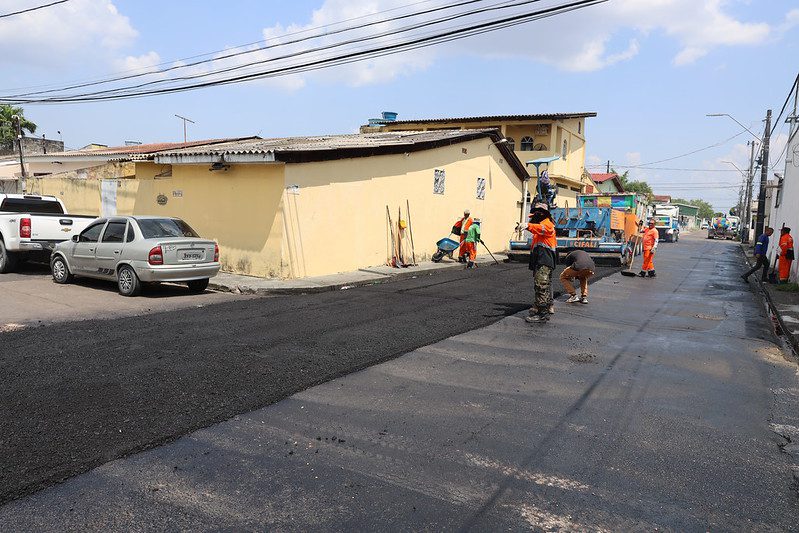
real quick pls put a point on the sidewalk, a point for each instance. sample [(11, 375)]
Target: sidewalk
[(239, 284), (783, 305)]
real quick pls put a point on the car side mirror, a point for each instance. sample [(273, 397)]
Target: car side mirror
[(76, 238)]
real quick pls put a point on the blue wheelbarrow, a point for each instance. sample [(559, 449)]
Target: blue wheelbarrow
[(446, 246)]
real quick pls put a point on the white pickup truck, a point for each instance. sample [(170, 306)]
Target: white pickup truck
[(30, 226)]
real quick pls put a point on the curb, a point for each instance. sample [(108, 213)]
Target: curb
[(384, 278), (771, 308)]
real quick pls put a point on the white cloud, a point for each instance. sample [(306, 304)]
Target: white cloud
[(633, 158), (62, 34), (139, 63)]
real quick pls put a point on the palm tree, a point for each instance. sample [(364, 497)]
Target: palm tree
[(7, 132)]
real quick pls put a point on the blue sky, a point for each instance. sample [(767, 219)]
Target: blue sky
[(652, 69)]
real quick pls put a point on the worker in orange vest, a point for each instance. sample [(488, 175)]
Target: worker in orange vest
[(543, 256), (650, 245), (786, 254), (461, 228)]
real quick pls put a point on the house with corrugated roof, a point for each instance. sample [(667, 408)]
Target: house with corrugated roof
[(555, 142), (309, 206), (607, 182)]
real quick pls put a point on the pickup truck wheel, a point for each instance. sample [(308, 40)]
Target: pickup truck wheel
[(60, 270), (8, 260), (198, 285), (128, 282)]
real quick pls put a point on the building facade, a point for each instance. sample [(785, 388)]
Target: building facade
[(300, 207), (531, 137)]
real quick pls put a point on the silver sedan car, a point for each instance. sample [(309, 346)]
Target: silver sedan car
[(133, 250)]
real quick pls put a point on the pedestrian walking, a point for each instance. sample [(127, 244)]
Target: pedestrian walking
[(471, 242), (461, 228), (542, 262), (786, 254), (579, 265), (650, 244), (761, 260)]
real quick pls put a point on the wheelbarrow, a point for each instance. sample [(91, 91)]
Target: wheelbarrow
[(446, 246)]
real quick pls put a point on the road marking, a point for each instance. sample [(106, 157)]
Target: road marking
[(11, 326)]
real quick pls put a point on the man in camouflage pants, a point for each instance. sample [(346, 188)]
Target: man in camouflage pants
[(542, 262)]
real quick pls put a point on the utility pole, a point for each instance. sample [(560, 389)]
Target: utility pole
[(24, 179), (746, 226), (184, 119), (608, 166), (761, 199)]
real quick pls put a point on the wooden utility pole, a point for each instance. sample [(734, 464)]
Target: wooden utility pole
[(24, 179), (761, 198)]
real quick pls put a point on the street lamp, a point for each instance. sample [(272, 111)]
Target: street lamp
[(736, 121)]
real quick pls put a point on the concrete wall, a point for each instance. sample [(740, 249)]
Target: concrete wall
[(338, 221), (240, 208), (786, 213), (311, 219), (32, 146), (568, 171)]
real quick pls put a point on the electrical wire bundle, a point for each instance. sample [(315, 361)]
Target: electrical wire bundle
[(337, 44)]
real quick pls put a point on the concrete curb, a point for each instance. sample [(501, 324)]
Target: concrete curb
[(773, 310), (376, 278)]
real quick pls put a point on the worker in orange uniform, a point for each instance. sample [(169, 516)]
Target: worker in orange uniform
[(542, 262), (650, 245), (786, 254), (461, 228)]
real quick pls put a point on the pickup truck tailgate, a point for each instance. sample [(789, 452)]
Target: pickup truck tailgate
[(56, 228)]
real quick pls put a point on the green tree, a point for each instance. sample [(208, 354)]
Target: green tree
[(7, 132), (639, 186), (705, 209)]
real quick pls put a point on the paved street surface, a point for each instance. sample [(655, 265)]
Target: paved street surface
[(663, 404), (30, 298)]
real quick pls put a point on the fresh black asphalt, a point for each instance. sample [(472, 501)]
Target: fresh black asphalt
[(76, 395)]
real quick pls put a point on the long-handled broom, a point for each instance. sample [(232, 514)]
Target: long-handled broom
[(630, 273)]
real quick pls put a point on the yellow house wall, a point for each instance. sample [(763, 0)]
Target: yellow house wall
[(239, 208), (571, 168), (82, 196), (338, 221)]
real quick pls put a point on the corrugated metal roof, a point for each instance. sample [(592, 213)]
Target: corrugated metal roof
[(331, 147), (494, 118), (602, 177), (330, 142), (135, 149)]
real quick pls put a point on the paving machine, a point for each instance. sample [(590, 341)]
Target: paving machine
[(603, 224)]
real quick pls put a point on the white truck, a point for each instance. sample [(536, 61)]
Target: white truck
[(31, 225), (667, 219)]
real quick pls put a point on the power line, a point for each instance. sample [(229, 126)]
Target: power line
[(181, 64), (344, 58), (6, 15), (785, 105), (668, 168)]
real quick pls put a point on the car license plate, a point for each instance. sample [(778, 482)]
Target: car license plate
[(192, 255)]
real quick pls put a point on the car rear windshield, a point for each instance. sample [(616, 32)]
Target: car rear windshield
[(160, 228), (31, 205)]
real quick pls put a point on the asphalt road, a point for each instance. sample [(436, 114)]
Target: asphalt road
[(75, 395)]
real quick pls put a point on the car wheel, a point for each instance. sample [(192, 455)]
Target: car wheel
[(128, 281), (61, 273), (8, 260), (198, 285)]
